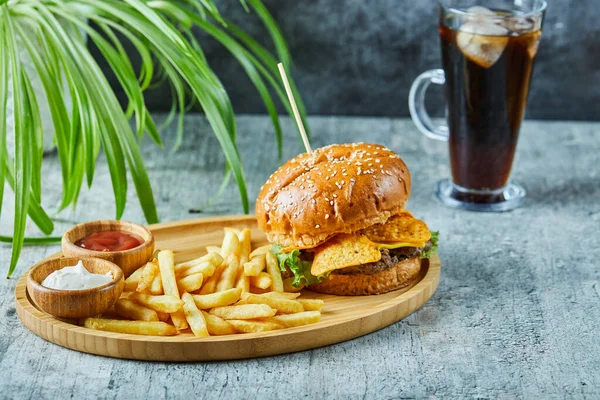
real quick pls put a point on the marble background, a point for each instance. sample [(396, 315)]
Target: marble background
[(359, 57)]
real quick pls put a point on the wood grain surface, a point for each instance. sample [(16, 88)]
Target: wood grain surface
[(343, 317)]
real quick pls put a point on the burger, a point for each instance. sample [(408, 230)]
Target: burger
[(337, 221)]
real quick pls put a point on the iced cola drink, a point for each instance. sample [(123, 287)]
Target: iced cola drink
[(488, 64)]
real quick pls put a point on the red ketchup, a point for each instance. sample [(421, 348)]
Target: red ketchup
[(109, 241)]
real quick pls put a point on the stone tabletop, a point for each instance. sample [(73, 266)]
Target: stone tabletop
[(516, 314)]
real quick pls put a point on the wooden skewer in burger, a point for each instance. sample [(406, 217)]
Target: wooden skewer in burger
[(337, 221)]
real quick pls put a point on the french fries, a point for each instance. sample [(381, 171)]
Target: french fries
[(244, 246), (274, 271), (205, 268), (162, 303), (219, 299), (260, 250), (311, 304), (243, 326), (244, 311), (217, 326), (232, 289), (131, 283), (147, 278), (194, 316), (301, 318), (255, 266), (230, 243), (242, 280), (213, 249), (262, 280), (243, 251), (156, 288), (285, 306), (128, 309), (227, 279), (190, 283), (162, 316), (166, 263), (282, 295), (133, 327), (211, 259), (211, 283)]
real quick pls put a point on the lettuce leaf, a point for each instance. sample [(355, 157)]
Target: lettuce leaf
[(299, 267), (434, 246)]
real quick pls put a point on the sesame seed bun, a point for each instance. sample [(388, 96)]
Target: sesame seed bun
[(341, 188)]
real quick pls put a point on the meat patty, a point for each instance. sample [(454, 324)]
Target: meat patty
[(389, 258)]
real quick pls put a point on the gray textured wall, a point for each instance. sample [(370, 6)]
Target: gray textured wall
[(359, 57)]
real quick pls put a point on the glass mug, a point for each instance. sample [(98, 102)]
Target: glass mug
[(488, 49)]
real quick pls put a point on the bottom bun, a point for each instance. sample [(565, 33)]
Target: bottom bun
[(397, 277)]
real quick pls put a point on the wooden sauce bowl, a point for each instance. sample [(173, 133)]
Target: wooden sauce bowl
[(74, 303), (128, 260)]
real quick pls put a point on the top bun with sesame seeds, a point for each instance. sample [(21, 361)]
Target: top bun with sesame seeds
[(341, 188)]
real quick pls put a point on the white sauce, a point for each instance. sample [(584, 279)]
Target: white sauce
[(75, 278)]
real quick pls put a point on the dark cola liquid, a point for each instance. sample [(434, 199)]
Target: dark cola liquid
[(487, 82)]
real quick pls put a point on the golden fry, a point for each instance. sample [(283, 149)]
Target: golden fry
[(132, 281), (190, 283), (311, 304), (243, 326), (244, 246), (255, 266), (213, 249), (216, 325), (219, 299), (213, 259), (148, 274), (156, 288), (194, 316), (262, 250), (163, 316), (228, 276), (230, 244), (273, 269), (133, 327), (162, 303), (211, 283), (128, 309), (242, 281), (282, 295), (167, 274), (262, 281), (283, 305), (204, 268), (257, 290), (244, 311), (298, 319)]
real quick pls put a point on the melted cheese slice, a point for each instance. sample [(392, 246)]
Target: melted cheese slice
[(401, 228)]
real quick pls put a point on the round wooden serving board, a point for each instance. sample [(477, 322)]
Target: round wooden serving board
[(343, 317)]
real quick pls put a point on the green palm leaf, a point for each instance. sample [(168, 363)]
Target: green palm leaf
[(23, 149), (162, 34)]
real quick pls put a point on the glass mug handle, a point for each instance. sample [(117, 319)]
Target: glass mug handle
[(416, 104)]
